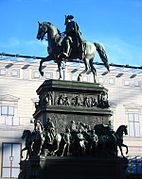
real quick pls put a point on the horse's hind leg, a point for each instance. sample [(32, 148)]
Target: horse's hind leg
[(59, 69), (80, 74), (93, 70), (40, 67), (84, 71)]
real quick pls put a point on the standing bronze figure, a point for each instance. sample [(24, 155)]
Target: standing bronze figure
[(70, 45)]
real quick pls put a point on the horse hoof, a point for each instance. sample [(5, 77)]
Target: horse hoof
[(41, 73), (78, 79)]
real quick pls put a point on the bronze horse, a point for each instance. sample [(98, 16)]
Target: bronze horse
[(27, 135), (55, 48), (110, 140)]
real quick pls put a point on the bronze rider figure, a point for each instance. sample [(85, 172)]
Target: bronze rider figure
[(73, 37)]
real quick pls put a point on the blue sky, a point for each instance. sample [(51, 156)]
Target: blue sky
[(117, 24)]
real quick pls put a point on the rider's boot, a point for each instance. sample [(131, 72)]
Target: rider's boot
[(66, 51)]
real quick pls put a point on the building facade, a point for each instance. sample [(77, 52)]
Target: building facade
[(19, 81)]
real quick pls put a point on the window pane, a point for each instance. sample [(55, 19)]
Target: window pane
[(36, 74), (6, 155), (74, 77), (136, 117), (2, 71), (6, 172), (137, 130), (16, 155), (136, 83), (111, 81), (15, 172), (131, 129), (11, 111), (8, 120), (4, 110), (126, 83), (16, 121), (11, 159), (14, 73), (48, 75), (130, 117), (134, 125)]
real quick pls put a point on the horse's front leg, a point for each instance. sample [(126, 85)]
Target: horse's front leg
[(48, 58), (22, 152), (28, 153), (59, 69), (120, 148), (123, 145)]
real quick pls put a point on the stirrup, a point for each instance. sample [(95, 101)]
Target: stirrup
[(65, 55)]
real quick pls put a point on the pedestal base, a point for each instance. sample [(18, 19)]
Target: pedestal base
[(75, 168)]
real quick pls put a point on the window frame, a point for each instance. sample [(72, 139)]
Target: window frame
[(134, 124), (11, 158), (8, 109)]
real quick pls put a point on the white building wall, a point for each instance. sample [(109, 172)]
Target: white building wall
[(20, 91)]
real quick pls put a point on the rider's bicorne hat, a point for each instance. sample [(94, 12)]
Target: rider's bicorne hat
[(69, 17)]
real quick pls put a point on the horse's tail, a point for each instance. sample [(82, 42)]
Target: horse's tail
[(102, 54)]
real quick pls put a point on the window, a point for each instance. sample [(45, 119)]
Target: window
[(2, 71), (48, 75), (15, 73), (10, 160), (134, 124), (111, 81), (74, 77), (10, 119), (7, 110), (100, 80), (136, 83), (25, 74), (36, 75), (126, 83)]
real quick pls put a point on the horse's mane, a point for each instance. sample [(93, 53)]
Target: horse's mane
[(52, 25)]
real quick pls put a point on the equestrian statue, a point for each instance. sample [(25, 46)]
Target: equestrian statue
[(70, 45)]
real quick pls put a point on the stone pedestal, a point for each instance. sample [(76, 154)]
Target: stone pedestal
[(64, 101), (75, 168)]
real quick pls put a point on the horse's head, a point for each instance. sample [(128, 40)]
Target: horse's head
[(42, 30), (47, 27), (123, 129), (26, 134)]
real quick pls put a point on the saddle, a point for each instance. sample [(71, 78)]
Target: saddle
[(77, 49)]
